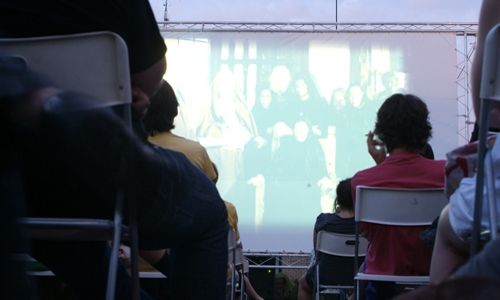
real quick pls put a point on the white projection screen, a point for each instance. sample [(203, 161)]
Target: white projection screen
[(284, 115)]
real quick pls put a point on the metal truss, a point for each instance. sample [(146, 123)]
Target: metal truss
[(465, 32), (459, 28), (278, 260), (466, 46)]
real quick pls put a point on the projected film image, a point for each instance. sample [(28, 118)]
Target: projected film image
[(283, 118)]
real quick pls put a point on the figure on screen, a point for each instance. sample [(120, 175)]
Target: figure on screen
[(234, 125), (351, 154), (308, 105), (297, 168)]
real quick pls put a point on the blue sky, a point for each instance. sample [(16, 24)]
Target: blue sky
[(405, 11)]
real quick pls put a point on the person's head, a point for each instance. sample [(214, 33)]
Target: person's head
[(265, 98), (301, 131), (305, 87), (390, 80), (343, 201), (302, 89), (355, 95), (163, 110), (427, 152), (338, 98), (403, 122), (279, 79)]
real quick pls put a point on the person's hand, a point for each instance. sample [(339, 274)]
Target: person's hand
[(260, 142), (316, 130), (375, 148), (280, 129), (325, 183), (140, 102), (257, 181)]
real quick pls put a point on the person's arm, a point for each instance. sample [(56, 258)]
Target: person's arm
[(449, 252), (485, 264), (375, 148)]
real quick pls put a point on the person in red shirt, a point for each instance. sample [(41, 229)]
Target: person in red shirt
[(402, 130)]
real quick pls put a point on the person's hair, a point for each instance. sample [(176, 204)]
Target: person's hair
[(403, 122), (312, 88), (344, 195), (216, 173), (427, 152), (162, 111)]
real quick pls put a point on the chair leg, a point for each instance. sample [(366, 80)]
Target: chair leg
[(356, 290), (134, 262), (134, 251), (113, 261), (317, 285), (242, 286)]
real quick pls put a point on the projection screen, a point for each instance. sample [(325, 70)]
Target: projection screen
[(284, 115)]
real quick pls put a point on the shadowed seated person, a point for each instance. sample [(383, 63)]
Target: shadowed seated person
[(75, 157), (331, 268)]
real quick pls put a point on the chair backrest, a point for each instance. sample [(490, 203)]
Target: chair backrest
[(93, 63), (239, 257), (231, 239), (339, 244), (398, 206), (231, 260), (489, 92), (336, 255), (490, 89)]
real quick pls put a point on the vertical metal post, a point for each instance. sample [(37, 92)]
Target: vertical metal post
[(336, 14), (165, 12), (478, 203), (467, 91)]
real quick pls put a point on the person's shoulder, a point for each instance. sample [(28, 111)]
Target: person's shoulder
[(365, 174), (325, 216), (436, 164), (229, 206), (330, 218), (192, 143)]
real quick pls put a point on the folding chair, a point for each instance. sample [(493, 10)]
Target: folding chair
[(231, 260), (95, 64), (241, 265), (489, 92), (395, 207), (341, 247)]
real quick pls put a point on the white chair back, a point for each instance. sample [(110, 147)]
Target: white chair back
[(398, 206), (339, 244), (92, 63)]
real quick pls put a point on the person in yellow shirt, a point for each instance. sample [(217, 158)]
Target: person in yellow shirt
[(159, 122)]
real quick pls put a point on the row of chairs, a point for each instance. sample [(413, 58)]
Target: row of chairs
[(386, 206), (95, 64), (238, 266), (420, 207)]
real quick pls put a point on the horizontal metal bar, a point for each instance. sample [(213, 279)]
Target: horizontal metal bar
[(189, 26), (276, 267)]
